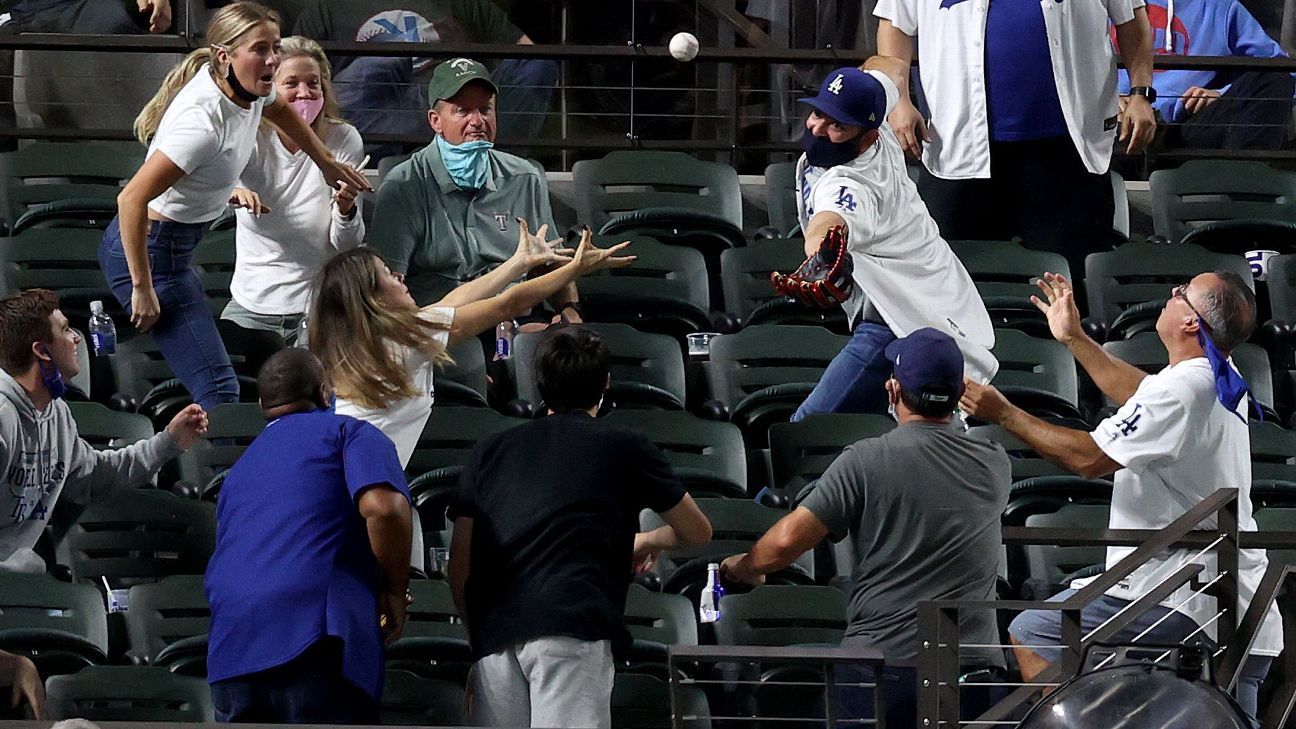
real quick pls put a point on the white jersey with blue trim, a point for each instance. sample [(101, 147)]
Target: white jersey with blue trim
[(902, 267)]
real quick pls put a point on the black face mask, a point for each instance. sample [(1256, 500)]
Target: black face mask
[(239, 91), (821, 152)]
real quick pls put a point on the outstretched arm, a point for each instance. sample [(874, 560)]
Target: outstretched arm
[(780, 547), (1116, 378), (533, 251)]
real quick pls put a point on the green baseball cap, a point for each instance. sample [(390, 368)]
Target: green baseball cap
[(453, 74)]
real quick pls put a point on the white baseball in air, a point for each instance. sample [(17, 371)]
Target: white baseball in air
[(684, 46)]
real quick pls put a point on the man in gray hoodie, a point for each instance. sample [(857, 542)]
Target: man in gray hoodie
[(41, 455)]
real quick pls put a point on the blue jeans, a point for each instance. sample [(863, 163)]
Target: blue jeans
[(309, 689), (186, 332), (855, 380), (1044, 627)]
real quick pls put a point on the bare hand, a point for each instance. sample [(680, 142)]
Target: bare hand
[(159, 14), (188, 426), (909, 127), (1063, 316), (335, 173), (248, 200), (730, 569), (344, 197), (645, 553), (983, 401), (1196, 98), (533, 251), (590, 258), (567, 315), (27, 685), (1137, 123), (393, 611), (145, 308)]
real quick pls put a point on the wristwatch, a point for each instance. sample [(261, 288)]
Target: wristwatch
[(1146, 92)]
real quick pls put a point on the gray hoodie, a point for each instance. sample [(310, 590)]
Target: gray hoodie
[(43, 457)]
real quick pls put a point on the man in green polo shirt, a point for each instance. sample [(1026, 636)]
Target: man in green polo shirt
[(450, 212)]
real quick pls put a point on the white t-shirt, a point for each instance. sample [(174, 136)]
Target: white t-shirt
[(280, 252), (211, 138), (903, 269), (403, 420), (1178, 445), (951, 64)]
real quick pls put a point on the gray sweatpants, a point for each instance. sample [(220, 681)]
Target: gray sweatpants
[(556, 682)]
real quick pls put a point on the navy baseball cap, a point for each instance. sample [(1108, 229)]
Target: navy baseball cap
[(851, 96), (928, 364)]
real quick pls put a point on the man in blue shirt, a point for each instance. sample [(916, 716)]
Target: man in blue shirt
[(312, 553), (1217, 109)]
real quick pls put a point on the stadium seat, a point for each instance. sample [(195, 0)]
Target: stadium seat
[(140, 535), (633, 181), (128, 693), (656, 620), (213, 260), (1274, 508), (801, 452), (463, 383), (647, 369), (1035, 497), (781, 195), (435, 642), (1027, 363), (1273, 452), (411, 700), (90, 213), (736, 524), (451, 432), (138, 367), (1004, 273), (168, 622), (65, 261), (763, 373), (1025, 462), (1282, 288), (745, 273), (775, 615), (431, 493), (640, 701), (62, 627), (104, 428), (1047, 565), (1137, 273), (231, 428), (666, 291), (1204, 191), (46, 172), (707, 456), (1146, 352)]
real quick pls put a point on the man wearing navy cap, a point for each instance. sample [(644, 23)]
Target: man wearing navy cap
[(905, 276), (922, 506)]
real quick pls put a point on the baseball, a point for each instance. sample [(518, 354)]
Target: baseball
[(684, 46)]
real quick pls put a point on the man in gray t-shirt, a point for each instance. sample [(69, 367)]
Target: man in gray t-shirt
[(921, 505)]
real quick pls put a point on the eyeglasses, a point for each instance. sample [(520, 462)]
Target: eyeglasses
[(1181, 292)]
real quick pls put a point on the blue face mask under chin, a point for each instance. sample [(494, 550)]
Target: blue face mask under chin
[(1229, 385), (52, 376), (467, 163), (822, 152)]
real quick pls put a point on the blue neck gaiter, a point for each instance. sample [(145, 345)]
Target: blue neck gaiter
[(1229, 385), (467, 163), (52, 376)]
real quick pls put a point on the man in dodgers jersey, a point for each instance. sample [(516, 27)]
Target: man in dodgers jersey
[(905, 275), (1178, 436)]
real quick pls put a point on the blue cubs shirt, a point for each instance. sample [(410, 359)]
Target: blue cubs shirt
[(1021, 95), (293, 562)]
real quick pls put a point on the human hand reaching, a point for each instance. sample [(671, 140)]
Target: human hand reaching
[(589, 257)]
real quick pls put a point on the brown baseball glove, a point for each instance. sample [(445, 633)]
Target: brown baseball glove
[(824, 279)]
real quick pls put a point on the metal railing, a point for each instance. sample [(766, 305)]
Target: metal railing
[(938, 621)]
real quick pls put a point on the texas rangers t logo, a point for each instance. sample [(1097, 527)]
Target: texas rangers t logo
[(501, 218)]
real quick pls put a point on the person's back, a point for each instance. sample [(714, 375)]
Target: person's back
[(927, 500), (552, 553)]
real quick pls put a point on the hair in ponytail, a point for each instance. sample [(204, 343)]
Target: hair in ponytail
[(226, 29)]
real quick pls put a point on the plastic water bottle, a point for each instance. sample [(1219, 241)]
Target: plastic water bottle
[(504, 339), (709, 605), (302, 327), (103, 333)]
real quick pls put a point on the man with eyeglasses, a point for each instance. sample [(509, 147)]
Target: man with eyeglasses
[(1177, 437)]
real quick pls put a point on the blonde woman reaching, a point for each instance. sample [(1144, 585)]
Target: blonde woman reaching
[(289, 220), (379, 348), (201, 130)]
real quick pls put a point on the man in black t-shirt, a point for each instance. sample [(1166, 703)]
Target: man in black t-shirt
[(546, 539)]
